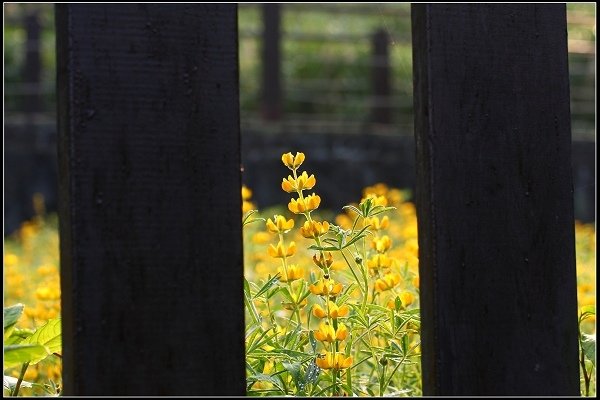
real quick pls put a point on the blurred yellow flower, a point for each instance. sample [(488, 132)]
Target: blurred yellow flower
[(387, 282), (382, 244), (293, 272)]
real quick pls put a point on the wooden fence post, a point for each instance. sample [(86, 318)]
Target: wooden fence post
[(272, 108), (381, 78), (495, 200), (150, 208)]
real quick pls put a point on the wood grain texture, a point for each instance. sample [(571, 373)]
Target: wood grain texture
[(150, 215), (495, 200)]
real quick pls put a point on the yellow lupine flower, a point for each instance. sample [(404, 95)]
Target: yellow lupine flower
[(292, 162), (379, 261), (280, 225), (322, 262), (314, 229), (309, 203), (334, 311), (293, 272), (280, 251), (407, 298), (326, 287), (377, 200), (10, 259), (382, 244), (261, 238), (303, 182), (376, 224), (326, 333), (387, 282), (330, 361)]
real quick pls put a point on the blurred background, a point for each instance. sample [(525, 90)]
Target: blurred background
[(331, 80)]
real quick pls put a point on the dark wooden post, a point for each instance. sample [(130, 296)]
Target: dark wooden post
[(381, 78), (495, 200), (150, 213), (271, 62), (32, 99)]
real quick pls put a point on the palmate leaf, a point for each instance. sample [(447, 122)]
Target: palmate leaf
[(11, 315), (18, 354), (48, 335)]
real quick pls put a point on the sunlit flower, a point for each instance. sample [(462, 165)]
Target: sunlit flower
[(326, 287), (303, 182), (322, 262), (334, 311), (415, 281), (407, 298), (280, 251), (375, 224), (293, 272), (387, 282), (379, 261), (327, 333), (314, 229), (280, 225), (382, 244), (330, 361), (292, 162), (309, 203)]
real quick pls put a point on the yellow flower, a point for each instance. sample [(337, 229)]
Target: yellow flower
[(415, 281), (280, 251), (293, 272), (376, 225), (407, 298), (47, 269), (303, 182), (382, 244), (261, 238), (377, 200), (292, 162), (387, 282), (322, 262), (280, 225), (309, 203), (326, 333), (326, 287), (314, 229), (335, 312), (379, 261), (246, 193), (247, 206), (329, 360)]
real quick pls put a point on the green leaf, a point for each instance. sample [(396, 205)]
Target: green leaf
[(312, 373), (48, 335), (17, 336), (588, 345), (11, 316), (267, 285), (265, 378), (18, 354), (313, 341)]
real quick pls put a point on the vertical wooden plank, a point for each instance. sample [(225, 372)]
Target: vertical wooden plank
[(495, 200), (381, 112), (32, 99), (271, 62), (149, 154)]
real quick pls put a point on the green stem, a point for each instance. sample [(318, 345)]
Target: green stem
[(15, 392)]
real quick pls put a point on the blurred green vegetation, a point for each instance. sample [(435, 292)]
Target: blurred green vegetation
[(327, 75)]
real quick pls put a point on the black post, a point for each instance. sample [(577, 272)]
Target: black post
[(495, 200), (381, 78), (32, 99), (150, 208), (271, 62)]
